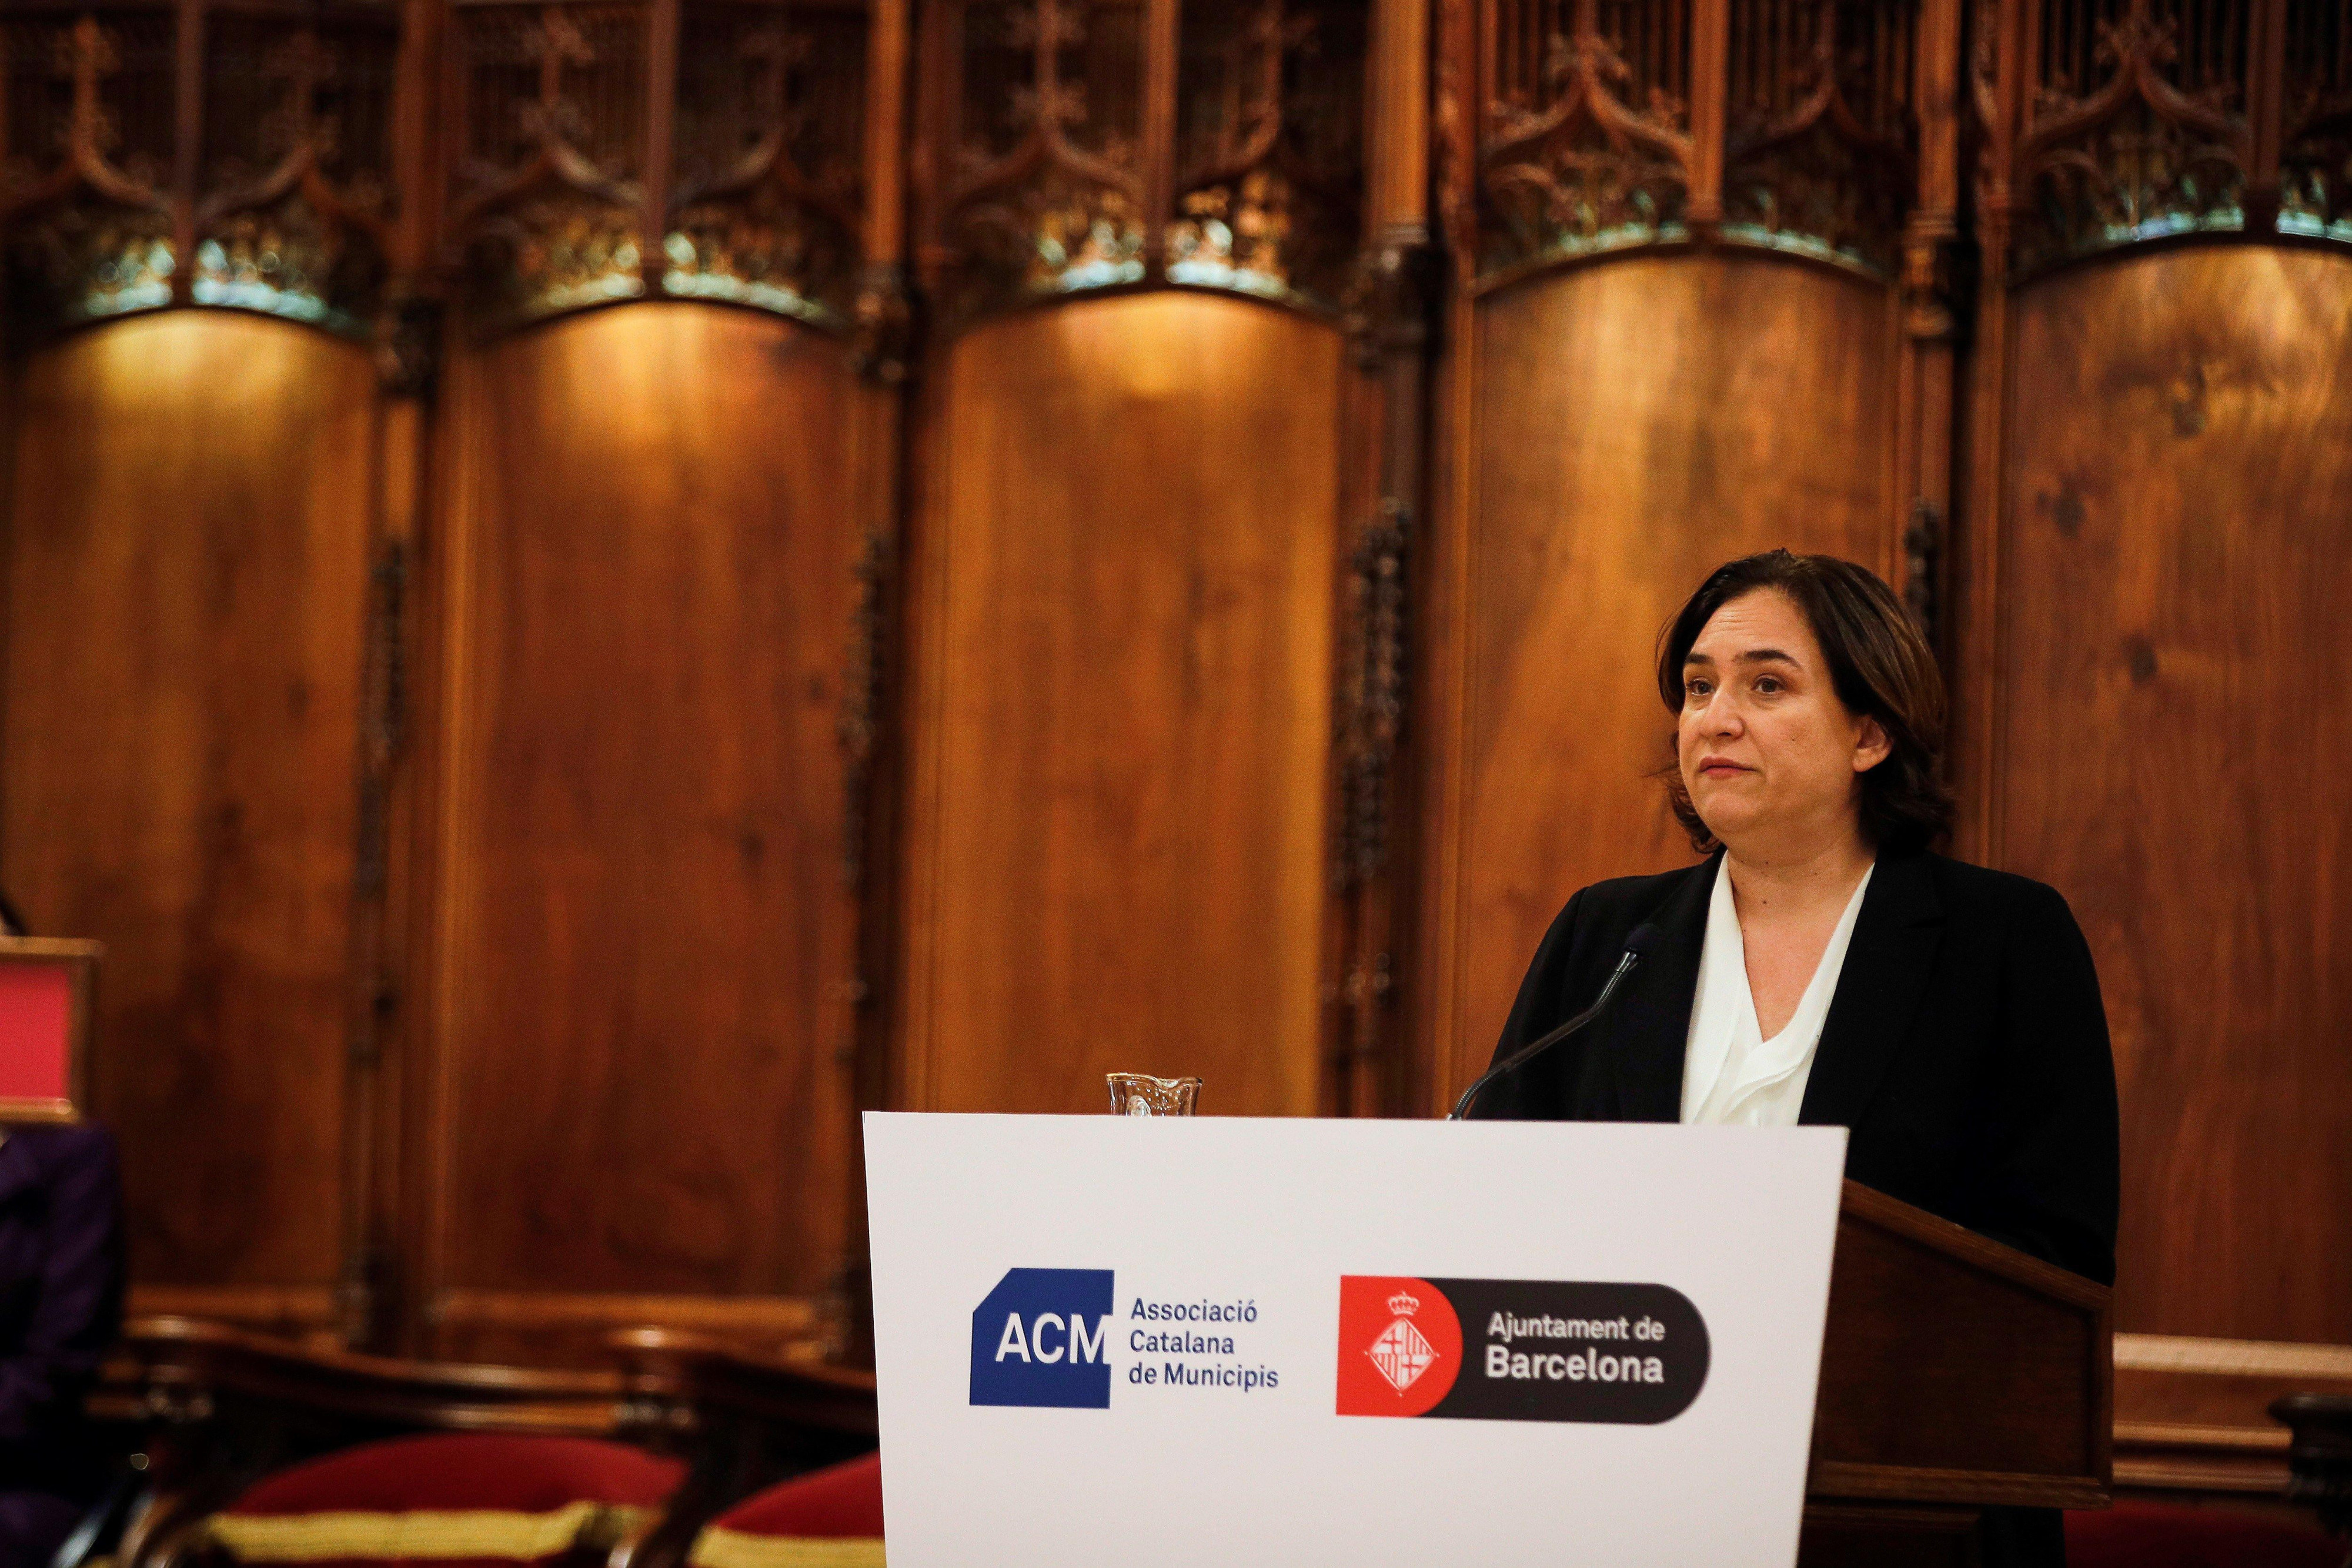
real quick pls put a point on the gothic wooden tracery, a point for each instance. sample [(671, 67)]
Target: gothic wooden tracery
[(1607, 124), (260, 179), (231, 153), (2315, 134), (1081, 144), (1822, 154), (2111, 122), (1586, 138), (618, 151)]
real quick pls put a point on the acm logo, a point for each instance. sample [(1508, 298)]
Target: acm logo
[(1040, 1338)]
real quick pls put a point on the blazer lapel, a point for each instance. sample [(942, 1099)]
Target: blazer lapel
[(1887, 965), (1651, 1029)]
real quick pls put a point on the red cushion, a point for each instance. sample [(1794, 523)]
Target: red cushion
[(495, 1501), (2136, 1534), (841, 1501), (466, 1470)]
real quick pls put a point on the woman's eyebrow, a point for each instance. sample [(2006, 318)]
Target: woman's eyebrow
[(1753, 656)]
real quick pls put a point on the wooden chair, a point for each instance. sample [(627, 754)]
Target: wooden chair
[(741, 1422), (219, 1408), (831, 1516)]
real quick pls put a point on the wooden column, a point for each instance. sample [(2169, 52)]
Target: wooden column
[(1930, 329), (1442, 1058), (882, 351), (1976, 609), (1709, 117), (1401, 271), (394, 890)]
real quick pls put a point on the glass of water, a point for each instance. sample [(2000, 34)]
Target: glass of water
[(1140, 1094)]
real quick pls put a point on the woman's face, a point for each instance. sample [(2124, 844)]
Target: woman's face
[(1771, 757)]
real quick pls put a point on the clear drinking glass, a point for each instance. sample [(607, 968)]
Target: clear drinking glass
[(1140, 1094)]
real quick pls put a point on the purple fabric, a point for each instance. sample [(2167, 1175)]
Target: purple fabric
[(60, 1306), (33, 1525)]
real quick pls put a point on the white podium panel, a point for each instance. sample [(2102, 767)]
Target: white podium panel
[(1137, 1342)]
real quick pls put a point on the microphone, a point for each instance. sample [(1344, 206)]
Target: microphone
[(1637, 941)]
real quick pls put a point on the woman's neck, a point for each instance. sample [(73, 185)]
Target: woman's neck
[(1783, 881)]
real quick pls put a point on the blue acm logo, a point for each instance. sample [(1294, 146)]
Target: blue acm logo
[(1042, 1338)]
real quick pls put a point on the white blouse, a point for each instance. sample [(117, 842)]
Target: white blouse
[(1732, 1076)]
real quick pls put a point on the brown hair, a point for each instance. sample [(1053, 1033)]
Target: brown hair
[(1880, 666)]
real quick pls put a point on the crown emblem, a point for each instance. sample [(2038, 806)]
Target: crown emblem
[(1403, 1304)]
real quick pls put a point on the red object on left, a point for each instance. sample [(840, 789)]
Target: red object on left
[(35, 1031)]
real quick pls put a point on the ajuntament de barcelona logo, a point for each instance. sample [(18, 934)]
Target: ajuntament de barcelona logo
[(1548, 1350)]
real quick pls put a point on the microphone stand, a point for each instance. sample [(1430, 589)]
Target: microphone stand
[(1634, 944)]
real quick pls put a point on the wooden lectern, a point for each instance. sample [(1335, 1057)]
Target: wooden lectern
[(1957, 1374)]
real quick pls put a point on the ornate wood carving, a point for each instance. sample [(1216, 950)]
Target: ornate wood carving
[(1821, 156), (295, 197), (1603, 119), (2315, 195), (86, 169), (2106, 122), (1922, 548), (1073, 149), (771, 110), (882, 325), (260, 179), (2135, 126), (1372, 718), (1586, 129), (1269, 174), (1041, 187), (550, 151), (557, 184)]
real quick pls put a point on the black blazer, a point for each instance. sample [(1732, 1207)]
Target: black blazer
[(1966, 1046)]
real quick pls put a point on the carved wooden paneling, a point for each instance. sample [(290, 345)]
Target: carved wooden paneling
[(615, 151), (88, 166), (2109, 122), (261, 178), (708, 811), (1037, 177), (1584, 128), (1611, 123), (642, 1031), (2137, 125), (547, 174), (186, 569), (1269, 131), (2176, 538), (296, 194), (2316, 108), (1121, 708), (1635, 423), (1822, 150), (1079, 144), (768, 195)]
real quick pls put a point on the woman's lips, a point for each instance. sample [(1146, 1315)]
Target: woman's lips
[(1716, 768)]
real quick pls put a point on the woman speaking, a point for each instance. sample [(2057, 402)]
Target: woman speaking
[(1823, 965)]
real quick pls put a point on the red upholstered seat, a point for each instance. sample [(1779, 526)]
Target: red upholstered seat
[(2134, 1534), (827, 1519), (448, 1498)]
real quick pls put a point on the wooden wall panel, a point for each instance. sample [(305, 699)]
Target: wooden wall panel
[(187, 565), (1634, 423), (2176, 560), (1123, 708), (644, 1027)]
